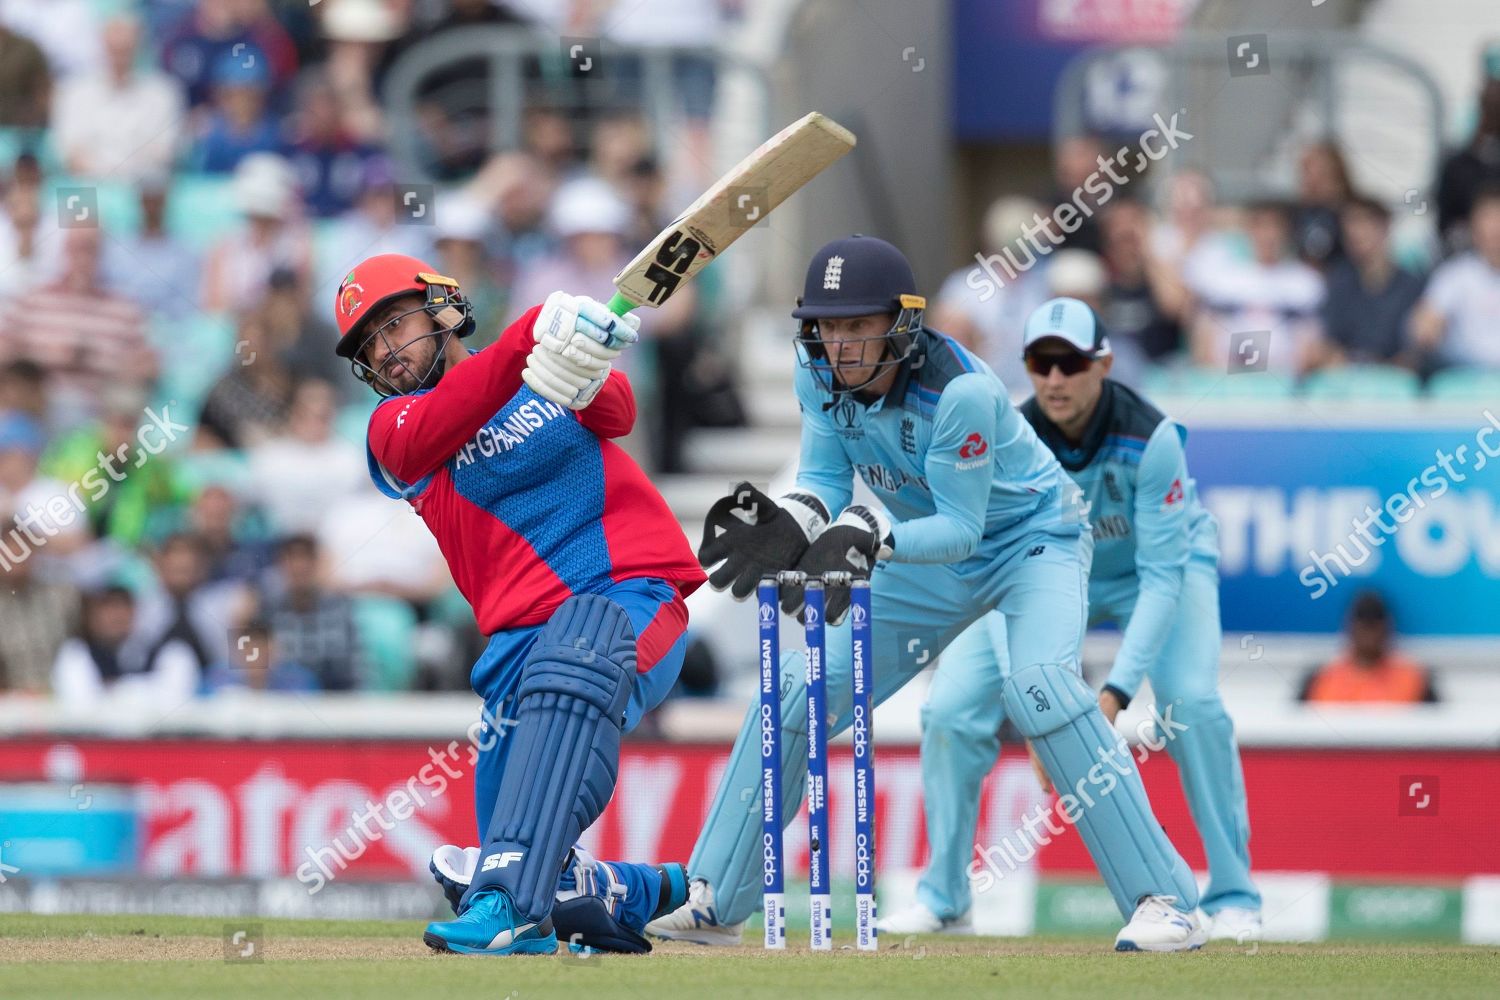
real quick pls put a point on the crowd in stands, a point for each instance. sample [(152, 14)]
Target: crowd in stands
[(183, 184), (1181, 281), (186, 502)]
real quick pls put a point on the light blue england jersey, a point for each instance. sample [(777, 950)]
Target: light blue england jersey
[(944, 450), (1147, 519)]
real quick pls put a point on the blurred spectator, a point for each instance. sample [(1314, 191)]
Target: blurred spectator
[(1465, 172), (358, 33), (35, 616), (273, 238), (1145, 298), (117, 120), (1272, 292), (28, 250), (25, 82), (547, 135), (108, 656), (462, 226), (307, 469), (67, 31), (518, 190), (184, 607), (23, 388), (300, 332), (1370, 298), (233, 549), (330, 161), (83, 335), (371, 550), (377, 223), (452, 109), (1322, 190), (249, 403), (1370, 670), (240, 122), (1188, 239), (1455, 321), (213, 30), (313, 625), (152, 267), (136, 490), (43, 509), (1074, 161), (986, 312), (619, 142), (592, 222), (255, 664)]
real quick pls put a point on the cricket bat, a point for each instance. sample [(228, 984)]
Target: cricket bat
[(729, 209)]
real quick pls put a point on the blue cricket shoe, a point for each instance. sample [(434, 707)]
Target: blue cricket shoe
[(490, 927)]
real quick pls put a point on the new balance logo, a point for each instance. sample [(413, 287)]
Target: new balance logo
[(833, 274), (500, 860), (1036, 551)]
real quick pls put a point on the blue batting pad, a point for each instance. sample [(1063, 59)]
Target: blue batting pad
[(1090, 765), (560, 772)]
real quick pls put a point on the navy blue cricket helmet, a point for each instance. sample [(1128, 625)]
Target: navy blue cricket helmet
[(859, 276)]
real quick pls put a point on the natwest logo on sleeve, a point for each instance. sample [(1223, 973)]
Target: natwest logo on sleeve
[(971, 453), (1174, 495)]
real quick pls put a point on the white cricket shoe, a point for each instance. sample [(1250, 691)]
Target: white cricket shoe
[(697, 920), (1159, 926), (918, 919), (1235, 923)]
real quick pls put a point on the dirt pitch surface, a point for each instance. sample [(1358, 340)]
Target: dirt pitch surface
[(169, 957)]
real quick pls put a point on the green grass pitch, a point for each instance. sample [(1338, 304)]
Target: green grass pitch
[(168, 957)]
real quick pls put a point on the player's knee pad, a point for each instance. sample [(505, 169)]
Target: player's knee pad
[(562, 765), (1100, 788), (586, 653)]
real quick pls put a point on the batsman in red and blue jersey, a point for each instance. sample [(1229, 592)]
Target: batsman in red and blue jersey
[(572, 561)]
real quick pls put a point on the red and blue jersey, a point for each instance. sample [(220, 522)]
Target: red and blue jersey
[(530, 502)]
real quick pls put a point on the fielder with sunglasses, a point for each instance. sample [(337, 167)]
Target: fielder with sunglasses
[(1155, 574), (975, 520)]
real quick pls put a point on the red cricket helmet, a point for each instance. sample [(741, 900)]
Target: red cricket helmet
[(375, 282)]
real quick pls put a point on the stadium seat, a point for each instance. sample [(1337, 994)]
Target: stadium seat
[(1381, 383), (354, 418), (1465, 384), (116, 204), (1212, 383), (201, 208), (193, 356), (386, 627)]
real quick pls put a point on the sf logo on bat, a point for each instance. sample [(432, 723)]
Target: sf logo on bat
[(672, 262)]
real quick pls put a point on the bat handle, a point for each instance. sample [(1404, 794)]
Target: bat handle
[(619, 305)]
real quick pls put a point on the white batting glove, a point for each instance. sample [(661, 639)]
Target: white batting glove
[(576, 340)]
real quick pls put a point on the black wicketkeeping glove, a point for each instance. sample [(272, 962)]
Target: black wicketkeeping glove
[(747, 535), (852, 544)]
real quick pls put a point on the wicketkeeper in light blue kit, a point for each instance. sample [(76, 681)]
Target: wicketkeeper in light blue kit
[(1155, 574), (977, 522)]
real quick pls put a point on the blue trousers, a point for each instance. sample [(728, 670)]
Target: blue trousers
[(961, 726)]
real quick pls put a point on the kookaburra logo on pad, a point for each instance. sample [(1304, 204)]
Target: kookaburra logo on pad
[(833, 273)]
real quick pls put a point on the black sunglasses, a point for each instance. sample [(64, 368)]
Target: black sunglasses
[(1071, 362)]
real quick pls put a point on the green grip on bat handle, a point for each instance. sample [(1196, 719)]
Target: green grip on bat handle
[(620, 305)]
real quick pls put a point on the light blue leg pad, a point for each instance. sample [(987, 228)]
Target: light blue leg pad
[(728, 852), (1089, 762), (1208, 761)]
